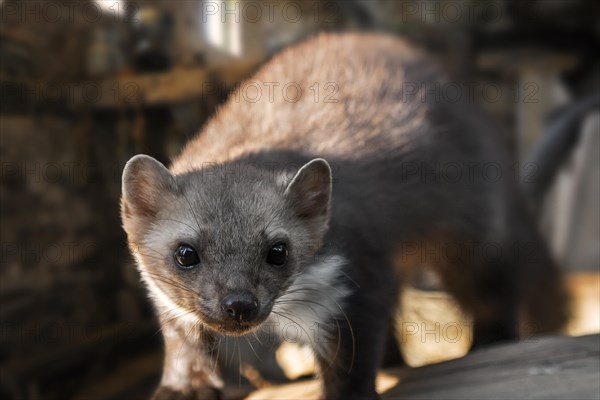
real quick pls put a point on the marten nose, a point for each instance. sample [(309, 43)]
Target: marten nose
[(240, 306)]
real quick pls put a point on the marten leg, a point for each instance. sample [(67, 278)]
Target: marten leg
[(483, 279), (499, 283), (349, 361), (495, 308), (349, 365), (544, 297), (189, 371)]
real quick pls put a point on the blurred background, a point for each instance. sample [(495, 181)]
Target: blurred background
[(84, 85)]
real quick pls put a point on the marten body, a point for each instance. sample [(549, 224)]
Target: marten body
[(311, 201)]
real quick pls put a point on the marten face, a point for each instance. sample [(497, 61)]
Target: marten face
[(218, 249)]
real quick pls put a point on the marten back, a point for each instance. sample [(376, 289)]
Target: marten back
[(345, 96)]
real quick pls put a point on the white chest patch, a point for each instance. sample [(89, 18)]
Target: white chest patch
[(311, 311)]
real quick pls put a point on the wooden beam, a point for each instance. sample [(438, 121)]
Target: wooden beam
[(541, 368)]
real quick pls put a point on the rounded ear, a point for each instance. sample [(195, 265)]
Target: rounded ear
[(310, 190), (145, 185)]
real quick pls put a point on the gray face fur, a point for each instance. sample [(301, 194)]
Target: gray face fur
[(231, 223)]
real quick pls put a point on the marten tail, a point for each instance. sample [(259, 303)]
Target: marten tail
[(555, 146), (545, 301)]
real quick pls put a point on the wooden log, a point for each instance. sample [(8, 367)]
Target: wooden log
[(541, 368)]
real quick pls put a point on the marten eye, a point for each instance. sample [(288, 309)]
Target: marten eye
[(277, 255), (186, 257)]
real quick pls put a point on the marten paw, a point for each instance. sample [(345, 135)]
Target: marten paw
[(205, 393)]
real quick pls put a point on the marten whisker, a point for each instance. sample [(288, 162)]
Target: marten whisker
[(345, 317), (252, 347)]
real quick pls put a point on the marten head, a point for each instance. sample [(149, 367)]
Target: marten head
[(219, 249)]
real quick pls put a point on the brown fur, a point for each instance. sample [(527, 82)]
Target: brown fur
[(352, 127)]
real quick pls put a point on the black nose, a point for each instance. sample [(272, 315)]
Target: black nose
[(240, 306)]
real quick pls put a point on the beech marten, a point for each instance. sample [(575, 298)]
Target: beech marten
[(307, 198)]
